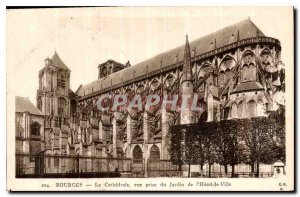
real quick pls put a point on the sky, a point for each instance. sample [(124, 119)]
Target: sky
[(87, 37)]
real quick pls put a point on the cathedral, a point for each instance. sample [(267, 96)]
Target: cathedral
[(236, 72)]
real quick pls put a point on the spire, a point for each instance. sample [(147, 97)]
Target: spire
[(57, 62), (187, 52), (215, 43), (187, 69)]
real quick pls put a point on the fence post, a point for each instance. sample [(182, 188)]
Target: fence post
[(78, 168)]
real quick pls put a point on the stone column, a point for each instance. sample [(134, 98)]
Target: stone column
[(47, 104), (79, 134), (210, 108), (55, 80), (24, 125), (56, 106), (245, 111), (186, 113), (164, 132), (26, 142), (128, 136), (145, 145), (44, 104), (114, 123), (145, 127), (100, 136)]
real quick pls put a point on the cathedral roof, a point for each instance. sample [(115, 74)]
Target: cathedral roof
[(57, 62), (247, 86), (25, 105), (239, 31)]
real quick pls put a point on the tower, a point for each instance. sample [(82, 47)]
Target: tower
[(187, 85), (54, 85)]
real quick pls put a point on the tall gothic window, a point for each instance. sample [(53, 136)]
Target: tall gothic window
[(201, 88), (260, 108), (240, 110), (245, 73), (251, 108), (221, 79), (226, 113), (234, 110), (266, 57), (137, 154), (62, 105), (35, 128), (56, 161), (226, 65), (248, 69), (154, 153), (249, 73), (227, 75), (252, 72), (120, 153), (39, 104), (104, 72)]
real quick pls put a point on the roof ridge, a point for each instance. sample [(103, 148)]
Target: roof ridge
[(24, 104), (243, 29), (206, 35)]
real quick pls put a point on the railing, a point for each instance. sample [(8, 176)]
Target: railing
[(70, 166), (60, 166), (236, 175), (162, 168)]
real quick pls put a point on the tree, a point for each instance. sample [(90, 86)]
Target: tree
[(176, 149), (278, 121), (235, 147), (251, 141), (221, 142), (258, 136), (208, 131)]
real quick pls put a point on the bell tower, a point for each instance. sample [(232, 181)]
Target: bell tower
[(54, 86)]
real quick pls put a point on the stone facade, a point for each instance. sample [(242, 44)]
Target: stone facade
[(29, 134), (54, 99), (237, 73)]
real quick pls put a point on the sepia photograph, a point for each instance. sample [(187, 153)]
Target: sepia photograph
[(150, 98)]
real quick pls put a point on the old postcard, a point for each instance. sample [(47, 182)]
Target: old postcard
[(150, 99)]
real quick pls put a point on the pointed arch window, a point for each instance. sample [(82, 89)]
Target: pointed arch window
[(260, 108), (221, 79), (266, 57), (226, 113), (35, 128), (227, 75), (251, 108), (137, 154), (245, 73), (234, 110), (154, 153), (201, 88), (252, 72), (62, 106), (240, 110), (56, 161)]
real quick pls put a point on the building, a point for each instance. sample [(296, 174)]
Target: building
[(236, 72), (29, 134), (54, 100)]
